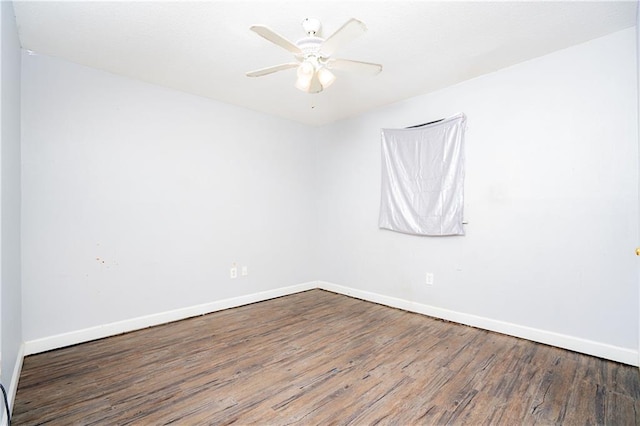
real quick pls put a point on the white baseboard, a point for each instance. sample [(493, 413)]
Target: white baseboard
[(602, 350), (115, 328)]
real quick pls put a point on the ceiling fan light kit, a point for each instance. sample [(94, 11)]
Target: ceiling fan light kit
[(313, 54)]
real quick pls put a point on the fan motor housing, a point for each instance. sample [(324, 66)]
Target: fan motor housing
[(310, 46)]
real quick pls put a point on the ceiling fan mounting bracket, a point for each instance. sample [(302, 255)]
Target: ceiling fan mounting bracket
[(311, 26)]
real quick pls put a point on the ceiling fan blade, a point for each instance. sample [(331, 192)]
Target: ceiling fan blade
[(276, 38), (356, 66), (349, 31), (269, 70)]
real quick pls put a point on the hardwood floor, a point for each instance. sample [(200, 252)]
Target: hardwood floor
[(322, 358)]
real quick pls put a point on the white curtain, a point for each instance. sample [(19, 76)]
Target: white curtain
[(423, 178)]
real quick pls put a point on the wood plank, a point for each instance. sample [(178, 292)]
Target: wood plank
[(321, 358)]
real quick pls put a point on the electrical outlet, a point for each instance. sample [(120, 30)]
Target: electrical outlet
[(429, 278), (233, 272), (245, 271)]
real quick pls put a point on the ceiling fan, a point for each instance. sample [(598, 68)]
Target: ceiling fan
[(313, 54)]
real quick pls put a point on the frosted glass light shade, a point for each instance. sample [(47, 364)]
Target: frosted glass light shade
[(306, 69), (326, 77), (305, 74)]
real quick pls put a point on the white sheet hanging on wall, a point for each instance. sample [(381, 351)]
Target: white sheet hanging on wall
[(423, 178)]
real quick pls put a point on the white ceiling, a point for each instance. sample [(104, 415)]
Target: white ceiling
[(205, 48)]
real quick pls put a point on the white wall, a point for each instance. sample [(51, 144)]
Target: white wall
[(168, 189), (137, 199), (551, 198), (10, 286), (638, 100)]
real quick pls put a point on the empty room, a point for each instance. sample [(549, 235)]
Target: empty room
[(319, 212)]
